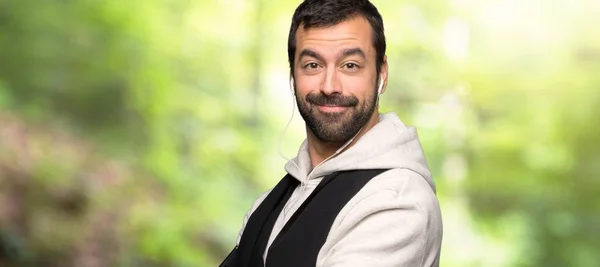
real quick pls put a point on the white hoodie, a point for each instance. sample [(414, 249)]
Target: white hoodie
[(394, 220)]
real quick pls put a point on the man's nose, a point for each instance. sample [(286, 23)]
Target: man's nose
[(331, 84)]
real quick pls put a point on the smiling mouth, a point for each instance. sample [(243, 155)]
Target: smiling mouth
[(332, 109)]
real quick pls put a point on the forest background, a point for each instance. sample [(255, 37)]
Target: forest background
[(138, 133)]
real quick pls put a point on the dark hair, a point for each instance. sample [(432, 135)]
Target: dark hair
[(324, 13)]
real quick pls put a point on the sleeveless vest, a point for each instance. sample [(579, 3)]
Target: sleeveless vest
[(300, 240)]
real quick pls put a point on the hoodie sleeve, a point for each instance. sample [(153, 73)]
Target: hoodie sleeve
[(398, 227)]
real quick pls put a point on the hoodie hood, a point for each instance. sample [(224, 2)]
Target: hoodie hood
[(388, 145)]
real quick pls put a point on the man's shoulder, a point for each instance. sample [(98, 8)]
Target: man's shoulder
[(396, 188), (254, 206), (394, 219), (260, 199), (401, 181)]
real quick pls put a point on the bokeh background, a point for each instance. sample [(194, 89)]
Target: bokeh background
[(138, 133)]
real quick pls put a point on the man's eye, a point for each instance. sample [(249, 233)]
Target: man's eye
[(351, 66), (312, 65)]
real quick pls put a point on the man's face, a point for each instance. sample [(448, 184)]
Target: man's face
[(336, 79)]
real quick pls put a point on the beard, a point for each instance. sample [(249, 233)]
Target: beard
[(336, 126)]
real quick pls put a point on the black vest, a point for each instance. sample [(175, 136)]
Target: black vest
[(299, 242)]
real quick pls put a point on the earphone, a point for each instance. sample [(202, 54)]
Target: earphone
[(380, 86), (292, 87)]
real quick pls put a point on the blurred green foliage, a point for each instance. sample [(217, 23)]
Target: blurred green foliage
[(138, 133)]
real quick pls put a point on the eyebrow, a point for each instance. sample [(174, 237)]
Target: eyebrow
[(310, 53), (345, 53), (354, 51)]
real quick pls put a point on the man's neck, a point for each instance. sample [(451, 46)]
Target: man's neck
[(320, 150)]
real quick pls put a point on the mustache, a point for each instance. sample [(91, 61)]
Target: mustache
[(321, 99)]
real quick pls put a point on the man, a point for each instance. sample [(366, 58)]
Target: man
[(359, 192)]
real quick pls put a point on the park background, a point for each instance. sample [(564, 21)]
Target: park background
[(138, 133)]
